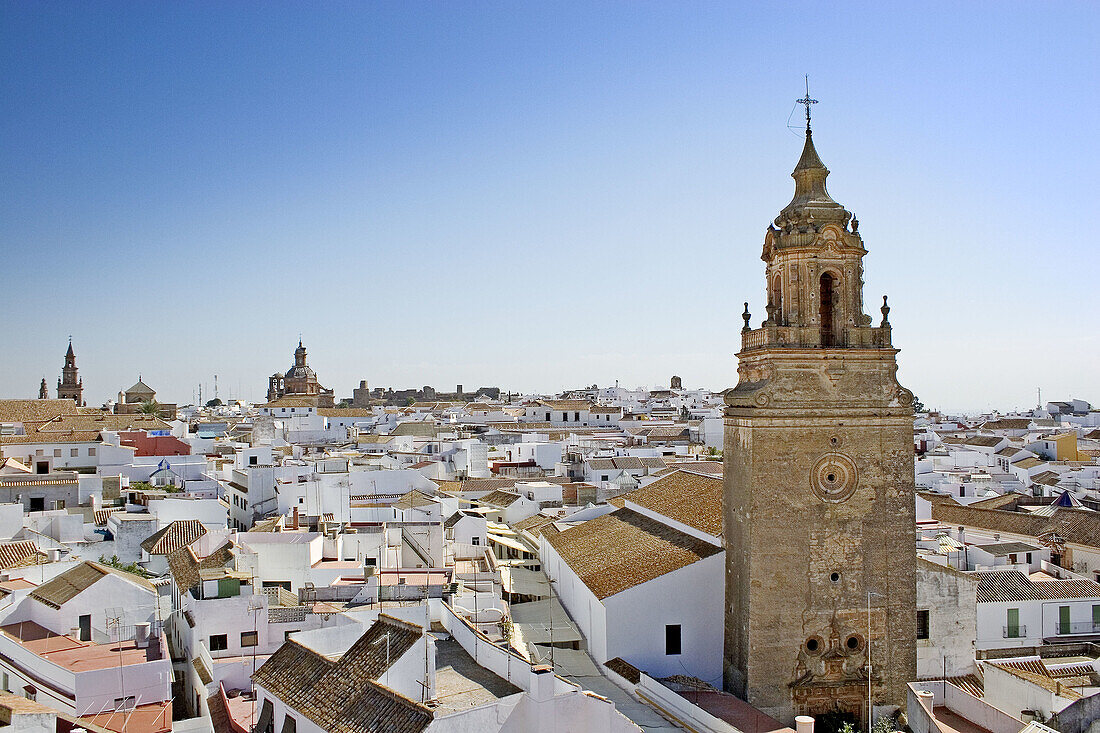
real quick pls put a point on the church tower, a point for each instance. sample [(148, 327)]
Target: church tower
[(70, 386), (819, 512)]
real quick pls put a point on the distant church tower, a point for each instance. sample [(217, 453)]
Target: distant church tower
[(69, 386), (819, 513), (43, 390)]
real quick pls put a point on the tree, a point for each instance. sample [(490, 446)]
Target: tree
[(410, 401), (918, 406), (150, 407), (216, 402)]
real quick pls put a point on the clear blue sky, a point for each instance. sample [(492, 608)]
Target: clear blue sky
[(536, 195)]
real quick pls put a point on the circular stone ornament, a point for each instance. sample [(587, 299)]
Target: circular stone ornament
[(834, 477)]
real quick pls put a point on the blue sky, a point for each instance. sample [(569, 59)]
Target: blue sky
[(536, 195)]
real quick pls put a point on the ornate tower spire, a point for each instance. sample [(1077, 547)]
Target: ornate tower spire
[(43, 391), (819, 474), (70, 386)]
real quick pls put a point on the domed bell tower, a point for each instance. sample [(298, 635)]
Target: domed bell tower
[(819, 512)]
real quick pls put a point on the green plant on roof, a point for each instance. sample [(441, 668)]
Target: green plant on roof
[(133, 568)]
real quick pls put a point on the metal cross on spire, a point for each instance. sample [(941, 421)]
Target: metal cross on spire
[(806, 102)]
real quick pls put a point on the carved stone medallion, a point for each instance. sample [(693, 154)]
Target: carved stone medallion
[(833, 477)]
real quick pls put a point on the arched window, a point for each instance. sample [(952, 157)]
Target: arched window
[(777, 297), (825, 304)]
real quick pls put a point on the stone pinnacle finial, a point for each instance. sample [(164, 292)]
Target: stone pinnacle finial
[(746, 315), (885, 312)]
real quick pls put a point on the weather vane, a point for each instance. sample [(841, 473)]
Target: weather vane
[(806, 102)]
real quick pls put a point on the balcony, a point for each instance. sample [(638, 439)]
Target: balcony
[(1014, 632), (810, 337), (1076, 628)]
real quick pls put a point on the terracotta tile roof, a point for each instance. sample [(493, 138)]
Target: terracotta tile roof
[(202, 671), (500, 498), (291, 402), (996, 502), (22, 411), (1000, 586), (74, 581), (969, 683), (1077, 526), (625, 463), (344, 412), (489, 484), (533, 524), (16, 554), (101, 515), (184, 566), (420, 429), (1042, 680), (1008, 423), (413, 499), (569, 405), (624, 549), (292, 671), (690, 498), (174, 536), (342, 695), (1028, 463), (457, 517), (624, 669)]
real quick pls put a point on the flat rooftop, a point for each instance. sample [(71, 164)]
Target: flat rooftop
[(81, 656), (733, 710), (461, 683), (152, 718)]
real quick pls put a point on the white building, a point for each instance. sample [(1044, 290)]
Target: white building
[(646, 583)]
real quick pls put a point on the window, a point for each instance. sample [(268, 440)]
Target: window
[(38, 503), (301, 500), (672, 639), (125, 703), (56, 452), (39, 452), (84, 623), (1063, 620), (923, 622), (91, 451), (1029, 558), (1013, 630), (74, 452), (7, 682), (477, 541), (576, 417), (249, 638), (253, 460), (219, 642)]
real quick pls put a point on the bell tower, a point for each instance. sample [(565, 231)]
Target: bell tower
[(819, 507), (70, 386)]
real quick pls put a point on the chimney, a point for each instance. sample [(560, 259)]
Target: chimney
[(542, 683), (962, 535), (295, 524), (926, 700), (141, 635), (804, 724)]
